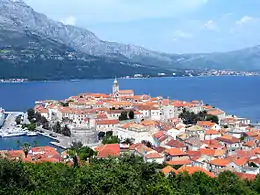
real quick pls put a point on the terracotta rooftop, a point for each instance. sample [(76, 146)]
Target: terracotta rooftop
[(109, 150), (179, 162), (175, 144), (241, 161), (219, 162), (192, 170), (107, 122), (168, 169), (245, 176), (153, 155), (175, 152)]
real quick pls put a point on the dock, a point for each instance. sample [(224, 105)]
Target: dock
[(60, 140)]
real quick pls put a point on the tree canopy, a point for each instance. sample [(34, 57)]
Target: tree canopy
[(192, 118), (128, 174)]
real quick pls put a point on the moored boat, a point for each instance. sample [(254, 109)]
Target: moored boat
[(12, 134), (32, 134)]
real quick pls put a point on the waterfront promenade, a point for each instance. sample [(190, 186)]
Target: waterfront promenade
[(10, 122), (61, 140)]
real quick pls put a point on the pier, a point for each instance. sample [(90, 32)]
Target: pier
[(61, 140), (10, 122)]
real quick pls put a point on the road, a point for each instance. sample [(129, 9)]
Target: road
[(10, 121), (63, 141)]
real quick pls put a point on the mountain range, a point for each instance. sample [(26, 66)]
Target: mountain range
[(36, 47)]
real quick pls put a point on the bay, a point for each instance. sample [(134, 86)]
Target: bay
[(12, 144)]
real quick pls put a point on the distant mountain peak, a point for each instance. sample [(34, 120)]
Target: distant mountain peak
[(18, 21)]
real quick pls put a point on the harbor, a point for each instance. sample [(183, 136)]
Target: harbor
[(12, 136)]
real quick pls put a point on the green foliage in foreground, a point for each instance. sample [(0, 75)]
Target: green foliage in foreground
[(127, 175)]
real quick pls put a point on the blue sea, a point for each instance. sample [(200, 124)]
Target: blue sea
[(235, 95), (12, 144)]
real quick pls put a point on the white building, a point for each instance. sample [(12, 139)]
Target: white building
[(136, 132)]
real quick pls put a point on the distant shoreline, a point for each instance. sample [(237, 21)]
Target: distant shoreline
[(124, 78)]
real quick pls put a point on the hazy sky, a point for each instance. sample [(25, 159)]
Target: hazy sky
[(175, 26)]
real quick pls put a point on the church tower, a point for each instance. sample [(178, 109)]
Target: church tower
[(116, 89)]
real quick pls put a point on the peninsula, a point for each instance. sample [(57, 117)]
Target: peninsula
[(167, 137), (178, 133)]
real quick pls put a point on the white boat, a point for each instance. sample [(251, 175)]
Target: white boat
[(12, 134), (2, 117), (32, 134)]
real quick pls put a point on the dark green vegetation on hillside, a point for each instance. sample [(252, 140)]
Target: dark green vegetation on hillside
[(128, 175)]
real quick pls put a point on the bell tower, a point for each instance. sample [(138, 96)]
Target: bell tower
[(116, 89)]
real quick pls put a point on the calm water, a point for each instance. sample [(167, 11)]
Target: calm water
[(11, 143), (236, 95)]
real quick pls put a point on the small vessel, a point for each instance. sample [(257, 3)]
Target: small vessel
[(32, 134), (12, 134), (2, 117)]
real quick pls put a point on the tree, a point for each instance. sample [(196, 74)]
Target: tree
[(212, 118), (101, 134), (31, 114), (131, 114), (18, 142), (35, 143), (26, 148), (38, 117), (147, 143), (123, 116), (66, 131), (45, 123), (109, 133), (110, 140), (57, 127), (64, 104), (76, 146), (128, 141), (192, 118), (18, 120), (31, 127)]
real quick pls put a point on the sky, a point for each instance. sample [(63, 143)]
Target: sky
[(171, 26)]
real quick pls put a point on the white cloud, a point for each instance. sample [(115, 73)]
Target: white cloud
[(246, 19), (179, 34), (100, 11), (210, 25), (71, 20)]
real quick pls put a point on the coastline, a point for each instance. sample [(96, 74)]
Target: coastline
[(123, 78)]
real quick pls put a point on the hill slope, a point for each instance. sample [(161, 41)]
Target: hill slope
[(36, 47)]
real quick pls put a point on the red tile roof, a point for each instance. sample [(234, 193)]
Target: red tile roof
[(245, 176), (228, 139), (179, 162), (159, 149), (159, 134), (212, 132), (219, 162), (175, 152), (168, 169), (241, 161), (109, 150), (175, 144), (192, 170), (194, 155), (107, 122), (153, 155)]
